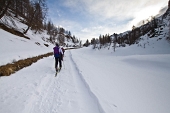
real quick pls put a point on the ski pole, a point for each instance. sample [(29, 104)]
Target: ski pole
[(63, 64)]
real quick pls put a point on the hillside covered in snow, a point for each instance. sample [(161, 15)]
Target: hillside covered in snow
[(24, 33)]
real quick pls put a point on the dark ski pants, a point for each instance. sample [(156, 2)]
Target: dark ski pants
[(58, 59)]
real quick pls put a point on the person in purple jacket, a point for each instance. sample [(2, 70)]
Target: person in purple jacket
[(58, 53)]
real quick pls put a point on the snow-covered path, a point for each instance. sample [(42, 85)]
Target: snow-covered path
[(35, 90)]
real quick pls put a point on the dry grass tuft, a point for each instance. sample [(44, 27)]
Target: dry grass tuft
[(9, 69)]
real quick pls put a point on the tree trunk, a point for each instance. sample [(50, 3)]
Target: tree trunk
[(30, 23), (26, 30)]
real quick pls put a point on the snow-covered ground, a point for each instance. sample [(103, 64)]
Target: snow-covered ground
[(90, 82), (127, 84)]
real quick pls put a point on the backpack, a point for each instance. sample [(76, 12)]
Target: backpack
[(63, 50), (56, 52)]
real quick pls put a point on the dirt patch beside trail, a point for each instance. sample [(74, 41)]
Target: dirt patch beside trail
[(9, 69)]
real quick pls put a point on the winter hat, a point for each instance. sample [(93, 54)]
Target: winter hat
[(56, 44)]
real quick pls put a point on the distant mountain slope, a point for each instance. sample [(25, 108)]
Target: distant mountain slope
[(152, 37)]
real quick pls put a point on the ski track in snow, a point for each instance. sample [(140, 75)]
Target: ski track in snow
[(87, 86), (38, 91), (93, 96)]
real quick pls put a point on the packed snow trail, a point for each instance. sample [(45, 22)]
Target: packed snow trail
[(35, 90)]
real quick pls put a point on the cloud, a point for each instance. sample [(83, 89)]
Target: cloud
[(118, 11), (111, 8), (85, 30)]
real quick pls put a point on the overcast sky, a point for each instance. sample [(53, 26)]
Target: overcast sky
[(87, 19)]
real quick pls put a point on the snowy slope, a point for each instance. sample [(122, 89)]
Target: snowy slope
[(14, 48)]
